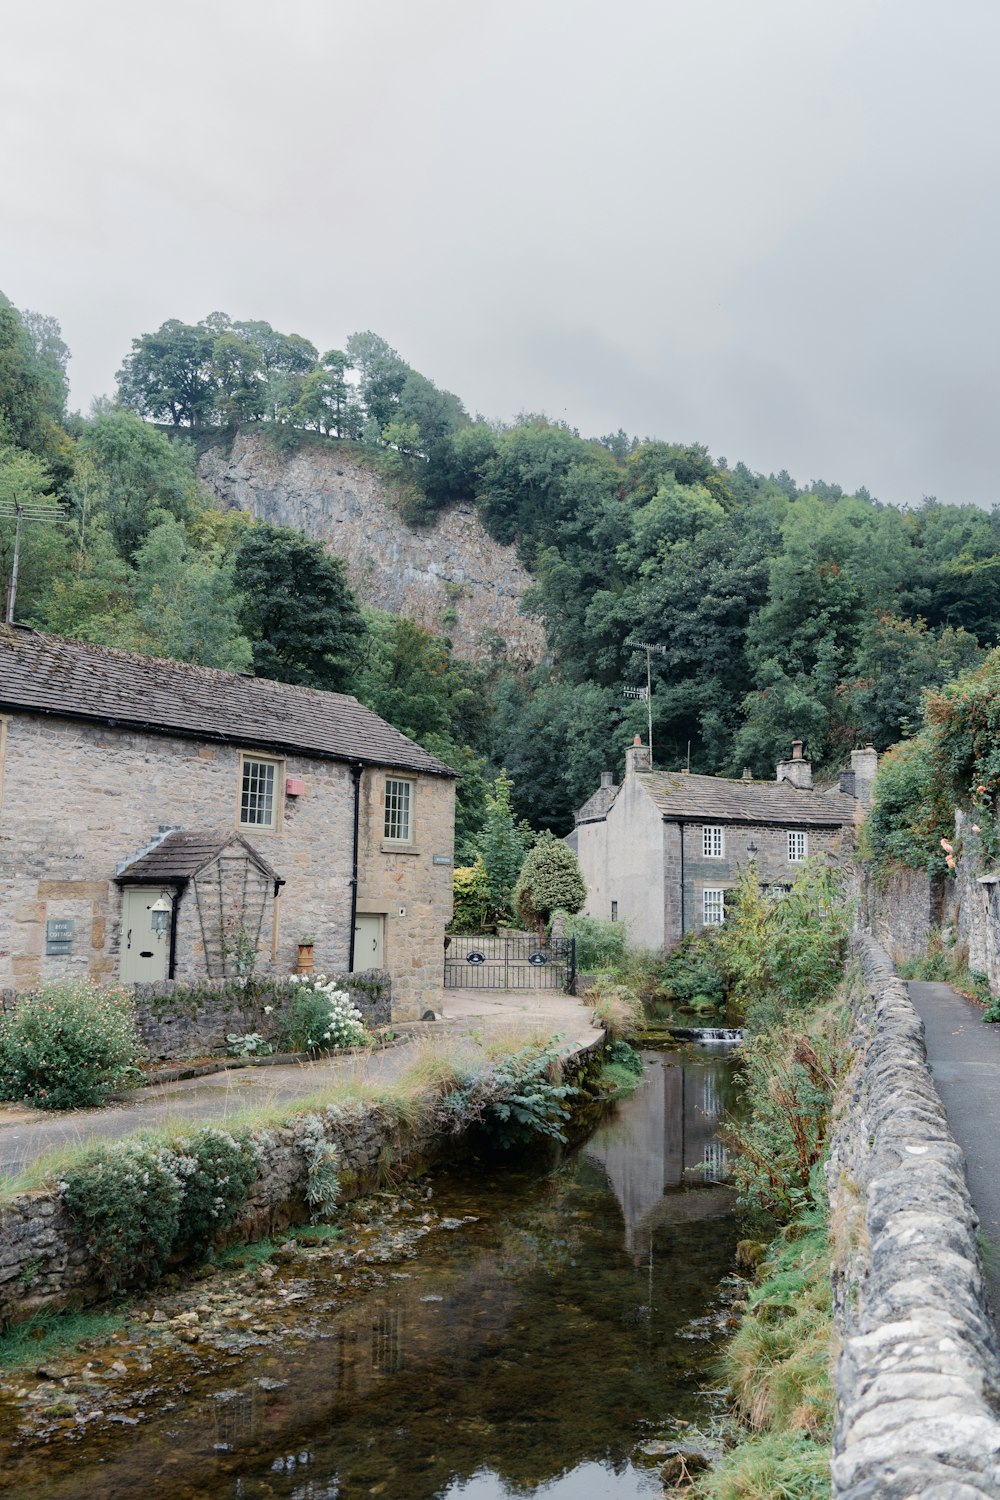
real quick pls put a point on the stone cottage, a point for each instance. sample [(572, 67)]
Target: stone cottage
[(662, 850), (163, 821)]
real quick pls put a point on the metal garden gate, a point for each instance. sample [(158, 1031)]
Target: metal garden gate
[(510, 963)]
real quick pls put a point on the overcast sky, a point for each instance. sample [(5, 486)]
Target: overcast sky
[(765, 225)]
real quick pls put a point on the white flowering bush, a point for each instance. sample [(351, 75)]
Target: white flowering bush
[(67, 1046), (136, 1201), (322, 1017)]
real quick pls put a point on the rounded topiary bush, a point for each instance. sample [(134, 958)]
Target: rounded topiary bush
[(550, 880), (67, 1046)]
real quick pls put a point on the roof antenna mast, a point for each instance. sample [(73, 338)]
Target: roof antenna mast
[(18, 511), (647, 692)]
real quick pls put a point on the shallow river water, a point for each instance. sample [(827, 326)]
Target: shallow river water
[(522, 1331)]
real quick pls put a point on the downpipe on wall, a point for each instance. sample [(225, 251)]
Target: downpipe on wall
[(357, 771)]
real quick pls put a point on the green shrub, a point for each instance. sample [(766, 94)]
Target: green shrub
[(216, 1171), (550, 880), (125, 1200), (67, 1046), (514, 1099), (135, 1202), (616, 1008), (692, 973), (782, 956), (470, 884), (599, 944), (910, 812), (322, 1162), (322, 1017)]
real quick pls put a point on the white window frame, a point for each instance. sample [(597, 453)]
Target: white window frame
[(246, 791), (713, 841), (397, 816), (713, 906), (798, 846)]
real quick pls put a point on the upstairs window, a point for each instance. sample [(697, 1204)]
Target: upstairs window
[(713, 844), (259, 793), (797, 847), (398, 811), (713, 911)]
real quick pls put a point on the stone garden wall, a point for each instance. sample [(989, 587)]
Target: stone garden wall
[(178, 1021), (902, 911), (43, 1262), (918, 1375)]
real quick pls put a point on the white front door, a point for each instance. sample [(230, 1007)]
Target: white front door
[(145, 955), (368, 940)]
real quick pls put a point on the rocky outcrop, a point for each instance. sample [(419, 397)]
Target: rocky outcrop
[(918, 1376), (451, 576)]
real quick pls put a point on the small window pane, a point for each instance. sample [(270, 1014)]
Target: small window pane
[(713, 908), (796, 847), (257, 794), (712, 844), (397, 811)]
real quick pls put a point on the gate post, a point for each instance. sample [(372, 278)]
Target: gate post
[(571, 986)]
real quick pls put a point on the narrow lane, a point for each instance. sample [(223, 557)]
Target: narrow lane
[(964, 1057)]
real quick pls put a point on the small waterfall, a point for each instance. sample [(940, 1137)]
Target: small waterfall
[(731, 1034)]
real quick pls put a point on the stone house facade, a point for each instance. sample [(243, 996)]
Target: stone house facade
[(662, 850), (162, 821)]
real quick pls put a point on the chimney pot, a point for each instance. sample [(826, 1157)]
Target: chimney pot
[(607, 778), (637, 740), (796, 749), (747, 774)]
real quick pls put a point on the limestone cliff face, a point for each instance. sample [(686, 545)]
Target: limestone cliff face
[(450, 577)]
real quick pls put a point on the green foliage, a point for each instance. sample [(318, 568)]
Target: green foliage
[(514, 1100), (216, 1170), (779, 957), (692, 973), (910, 812), (599, 944), (965, 718), (550, 880), (125, 1201), (778, 1367), (322, 1017), (68, 1045), (616, 1008), (945, 963), (137, 1201), (472, 904), (502, 846), (621, 1069), (297, 608), (322, 1161), (789, 1077)]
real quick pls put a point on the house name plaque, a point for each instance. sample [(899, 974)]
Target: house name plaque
[(59, 936)]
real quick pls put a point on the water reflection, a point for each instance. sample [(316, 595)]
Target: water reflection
[(661, 1153), (528, 1351)]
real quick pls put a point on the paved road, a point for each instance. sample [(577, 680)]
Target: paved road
[(26, 1135), (964, 1056)]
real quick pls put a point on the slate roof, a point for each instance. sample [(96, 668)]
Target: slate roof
[(596, 807), (47, 674), (182, 853), (715, 799)]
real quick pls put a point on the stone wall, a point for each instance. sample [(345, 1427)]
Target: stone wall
[(175, 1026), (902, 911), (450, 576), (44, 1264), (977, 903), (918, 1375)]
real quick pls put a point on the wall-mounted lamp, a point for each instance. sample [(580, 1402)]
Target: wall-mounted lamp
[(752, 849), (159, 914)]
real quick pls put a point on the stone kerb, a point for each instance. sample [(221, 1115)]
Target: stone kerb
[(918, 1375)]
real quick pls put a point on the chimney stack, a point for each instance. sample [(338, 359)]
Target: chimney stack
[(864, 764), (797, 770), (637, 758)]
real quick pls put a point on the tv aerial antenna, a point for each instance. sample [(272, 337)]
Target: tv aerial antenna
[(20, 511), (645, 694)]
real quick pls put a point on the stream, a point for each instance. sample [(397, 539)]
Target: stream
[(537, 1328)]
